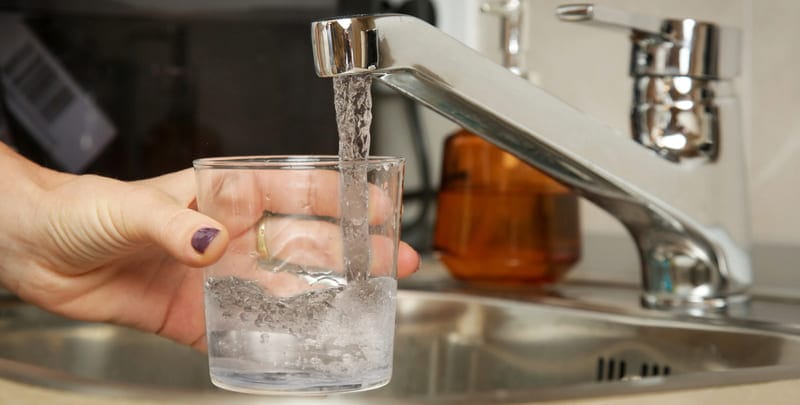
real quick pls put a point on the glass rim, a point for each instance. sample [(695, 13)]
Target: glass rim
[(285, 161)]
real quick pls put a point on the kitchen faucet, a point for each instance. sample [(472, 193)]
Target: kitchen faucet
[(679, 190)]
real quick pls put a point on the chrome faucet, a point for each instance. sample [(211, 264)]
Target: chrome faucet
[(686, 211), (680, 68)]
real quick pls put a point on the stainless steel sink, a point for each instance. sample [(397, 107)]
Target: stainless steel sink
[(451, 347)]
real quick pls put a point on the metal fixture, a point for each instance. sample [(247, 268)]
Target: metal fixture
[(512, 14), (687, 217), (678, 66), (451, 348)]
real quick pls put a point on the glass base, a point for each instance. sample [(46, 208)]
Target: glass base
[(294, 383)]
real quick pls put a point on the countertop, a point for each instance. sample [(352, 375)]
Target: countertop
[(778, 392)]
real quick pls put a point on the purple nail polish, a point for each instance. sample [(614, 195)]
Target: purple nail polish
[(202, 238)]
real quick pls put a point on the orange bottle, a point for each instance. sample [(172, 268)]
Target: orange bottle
[(501, 220)]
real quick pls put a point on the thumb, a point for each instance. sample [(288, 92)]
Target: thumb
[(189, 236)]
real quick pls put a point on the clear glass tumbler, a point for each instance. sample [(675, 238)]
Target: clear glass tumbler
[(290, 308)]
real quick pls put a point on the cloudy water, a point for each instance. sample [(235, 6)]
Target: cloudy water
[(327, 336)]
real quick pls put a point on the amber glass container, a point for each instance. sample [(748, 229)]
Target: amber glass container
[(499, 220)]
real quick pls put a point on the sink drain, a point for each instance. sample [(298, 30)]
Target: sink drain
[(611, 369)]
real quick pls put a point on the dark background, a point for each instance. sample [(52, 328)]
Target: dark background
[(180, 84)]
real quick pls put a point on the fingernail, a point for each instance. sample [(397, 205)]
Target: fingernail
[(419, 265), (202, 238)]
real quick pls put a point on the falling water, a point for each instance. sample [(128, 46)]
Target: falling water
[(353, 103)]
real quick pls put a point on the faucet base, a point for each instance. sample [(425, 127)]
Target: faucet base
[(693, 306)]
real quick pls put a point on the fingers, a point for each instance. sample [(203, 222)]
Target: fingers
[(239, 200), (317, 244), (315, 192), (191, 237), (282, 243), (408, 260), (238, 197), (304, 242)]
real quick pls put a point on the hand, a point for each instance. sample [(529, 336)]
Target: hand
[(97, 249)]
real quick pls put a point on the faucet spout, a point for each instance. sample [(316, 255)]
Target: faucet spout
[(690, 225)]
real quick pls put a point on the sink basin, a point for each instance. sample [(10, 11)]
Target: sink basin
[(450, 347)]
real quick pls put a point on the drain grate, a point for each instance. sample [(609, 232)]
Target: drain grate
[(611, 369)]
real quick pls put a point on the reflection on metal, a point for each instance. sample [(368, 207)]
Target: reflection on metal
[(678, 66), (688, 216), (450, 347)]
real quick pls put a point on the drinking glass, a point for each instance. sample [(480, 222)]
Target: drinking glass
[(291, 308)]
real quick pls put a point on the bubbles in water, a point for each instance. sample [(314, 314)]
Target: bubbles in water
[(342, 330), (353, 103)]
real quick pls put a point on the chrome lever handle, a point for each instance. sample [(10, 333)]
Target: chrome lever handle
[(668, 46), (603, 16)]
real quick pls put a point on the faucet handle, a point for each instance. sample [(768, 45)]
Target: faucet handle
[(667, 47), (603, 16), (512, 13)]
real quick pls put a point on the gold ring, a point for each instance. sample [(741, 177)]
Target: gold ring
[(261, 238)]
